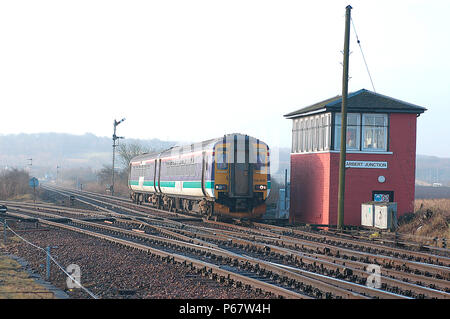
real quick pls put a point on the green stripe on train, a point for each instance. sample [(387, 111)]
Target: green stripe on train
[(192, 184), (136, 183), (167, 184), (209, 184), (189, 184)]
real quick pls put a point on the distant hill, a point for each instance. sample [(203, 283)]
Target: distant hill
[(47, 150), (42, 153), (430, 192), (432, 169)]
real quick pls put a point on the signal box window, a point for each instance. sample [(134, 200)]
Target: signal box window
[(374, 132), (365, 132), (353, 131)]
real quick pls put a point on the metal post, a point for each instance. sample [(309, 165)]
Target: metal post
[(115, 137), (342, 159), (285, 189), (114, 156), (48, 263)]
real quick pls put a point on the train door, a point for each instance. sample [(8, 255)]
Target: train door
[(241, 176), (241, 179), (157, 175), (204, 166)]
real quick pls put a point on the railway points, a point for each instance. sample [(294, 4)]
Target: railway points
[(265, 260)]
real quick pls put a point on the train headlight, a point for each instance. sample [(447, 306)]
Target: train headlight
[(220, 187), (260, 187)]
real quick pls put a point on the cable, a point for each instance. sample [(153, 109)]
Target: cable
[(362, 53), (56, 263)]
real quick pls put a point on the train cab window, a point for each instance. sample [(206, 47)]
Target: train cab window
[(222, 166), (221, 158), (261, 161)]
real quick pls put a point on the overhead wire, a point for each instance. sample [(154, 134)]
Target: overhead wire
[(362, 53)]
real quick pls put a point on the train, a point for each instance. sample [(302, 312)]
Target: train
[(227, 177)]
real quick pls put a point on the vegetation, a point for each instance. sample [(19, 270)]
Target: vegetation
[(17, 284), (103, 181), (431, 219), (129, 150), (13, 183)]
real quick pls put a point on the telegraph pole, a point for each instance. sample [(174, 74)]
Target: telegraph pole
[(115, 137), (342, 159), (57, 171), (31, 164)]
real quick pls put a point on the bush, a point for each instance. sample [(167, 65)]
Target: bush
[(430, 219), (14, 183)]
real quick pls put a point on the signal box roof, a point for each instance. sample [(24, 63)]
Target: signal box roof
[(360, 101)]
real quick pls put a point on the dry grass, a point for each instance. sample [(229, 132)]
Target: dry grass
[(23, 197), (431, 219), (15, 283)]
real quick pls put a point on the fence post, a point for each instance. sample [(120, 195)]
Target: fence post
[(48, 262)]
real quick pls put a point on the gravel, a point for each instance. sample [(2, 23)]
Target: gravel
[(112, 271)]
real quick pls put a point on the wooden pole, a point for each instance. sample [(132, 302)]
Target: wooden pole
[(342, 159)]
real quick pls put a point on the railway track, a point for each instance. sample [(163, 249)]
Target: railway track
[(391, 257), (282, 261)]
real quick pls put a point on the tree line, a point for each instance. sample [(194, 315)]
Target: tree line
[(13, 183)]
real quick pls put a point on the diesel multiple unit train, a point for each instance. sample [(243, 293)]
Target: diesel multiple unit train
[(227, 176)]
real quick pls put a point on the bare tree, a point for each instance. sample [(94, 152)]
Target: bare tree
[(13, 183), (104, 175), (129, 150)]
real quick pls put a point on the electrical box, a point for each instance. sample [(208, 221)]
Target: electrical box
[(367, 214), (385, 215)]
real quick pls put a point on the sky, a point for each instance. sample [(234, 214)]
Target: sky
[(195, 70)]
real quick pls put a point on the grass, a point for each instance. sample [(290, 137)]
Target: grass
[(431, 219), (22, 197), (15, 282)]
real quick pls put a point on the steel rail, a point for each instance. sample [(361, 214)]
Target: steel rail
[(128, 210), (434, 258), (373, 258), (223, 253), (386, 259), (337, 267), (256, 284), (272, 234), (227, 237)]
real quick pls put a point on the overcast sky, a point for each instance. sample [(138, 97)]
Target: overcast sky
[(194, 70)]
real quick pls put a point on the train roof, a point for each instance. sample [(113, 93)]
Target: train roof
[(182, 149)]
